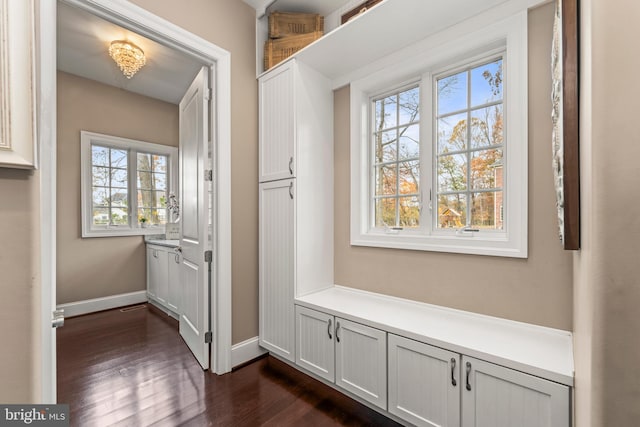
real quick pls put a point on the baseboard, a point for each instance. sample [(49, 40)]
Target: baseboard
[(78, 308), (245, 351)]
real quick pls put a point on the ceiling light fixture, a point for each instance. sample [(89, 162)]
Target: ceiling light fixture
[(129, 57)]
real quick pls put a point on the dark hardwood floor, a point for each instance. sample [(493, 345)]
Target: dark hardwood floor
[(132, 368)]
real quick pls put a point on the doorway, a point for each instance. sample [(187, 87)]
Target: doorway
[(137, 20)]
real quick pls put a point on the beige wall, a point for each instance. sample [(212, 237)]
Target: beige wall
[(19, 284), (230, 24), (607, 287), (536, 290), (99, 267)]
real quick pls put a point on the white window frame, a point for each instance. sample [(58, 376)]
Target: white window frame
[(455, 47), (87, 139)]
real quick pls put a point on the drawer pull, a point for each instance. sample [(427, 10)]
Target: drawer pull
[(329, 330), (337, 330), (468, 375), (291, 190), (291, 165), (453, 370)]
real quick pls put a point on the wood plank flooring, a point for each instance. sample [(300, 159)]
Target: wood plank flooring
[(132, 368)]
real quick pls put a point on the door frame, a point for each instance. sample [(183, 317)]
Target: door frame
[(141, 21)]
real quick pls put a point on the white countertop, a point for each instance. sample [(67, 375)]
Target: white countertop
[(540, 351), (160, 242)]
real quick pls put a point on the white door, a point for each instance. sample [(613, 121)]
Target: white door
[(495, 396), (277, 267), (194, 196), (424, 383), (315, 342), (361, 361)]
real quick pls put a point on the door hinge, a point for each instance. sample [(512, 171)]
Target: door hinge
[(208, 337), (208, 94), (208, 256), (208, 175)]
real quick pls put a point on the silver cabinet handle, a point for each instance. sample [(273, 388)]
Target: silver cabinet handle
[(453, 370), (291, 190), (337, 330), (291, 165), (329, 330), (468, 375)]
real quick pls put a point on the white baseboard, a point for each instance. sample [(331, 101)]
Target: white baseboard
[(78, 308), (245, 351)]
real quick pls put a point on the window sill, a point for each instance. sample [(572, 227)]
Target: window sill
[(471, 245), (124, 232)]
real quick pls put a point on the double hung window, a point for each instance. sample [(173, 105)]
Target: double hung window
[(439, 160), (125, 185)]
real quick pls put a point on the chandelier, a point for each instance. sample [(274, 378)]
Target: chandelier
[(129, 57)]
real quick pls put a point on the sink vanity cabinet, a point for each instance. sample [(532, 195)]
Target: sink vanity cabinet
[(163, 276)]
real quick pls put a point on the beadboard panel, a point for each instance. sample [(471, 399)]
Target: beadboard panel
[(315, 348)]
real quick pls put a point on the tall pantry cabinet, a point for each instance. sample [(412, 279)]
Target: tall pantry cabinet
[(295, 197)]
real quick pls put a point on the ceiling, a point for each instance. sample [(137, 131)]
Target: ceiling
[(83, 40)]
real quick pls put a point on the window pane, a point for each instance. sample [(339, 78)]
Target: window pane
[(119, 216), (409, 211), (409, 101), (118, 158), (100, 196), (486, 169), (144, 213), (386, 212), (99, 155), (486, 210), (385, 146), (486, 126), (386, 180), (100, 177), (100, 216), (452, 172), (386, 113), (486, 83), (119, 178), (452, 210), (159, 199), (452, 93), (409, 142), (145, 180), (409, 177), (160, 181), (144, 162), (119, 197), (159, 163), (452, 133)]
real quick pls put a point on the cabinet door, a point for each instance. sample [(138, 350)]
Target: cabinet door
[(495, 396), (277, 150), (152, 272), (424, 383), (162, 276), (173, 299), (315, 342), (277, 267), (361, 361)]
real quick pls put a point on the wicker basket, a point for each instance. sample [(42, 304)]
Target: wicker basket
[(277, 50), (285, 24)]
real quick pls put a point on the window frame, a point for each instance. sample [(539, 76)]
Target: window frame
[(133, 147), (453, 48)]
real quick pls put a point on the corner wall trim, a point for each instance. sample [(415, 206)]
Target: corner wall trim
[(245, 351), (78, 308)]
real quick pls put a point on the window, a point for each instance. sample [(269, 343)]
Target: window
[(439, 146), (125, 185)]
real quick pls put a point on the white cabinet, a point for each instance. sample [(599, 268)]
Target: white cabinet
[(347, 353), (424, 383), (276, 267), (495, 396), (277, 124), (315, 342), (429, 386), (361, 361), (163, 277), (295, 198)]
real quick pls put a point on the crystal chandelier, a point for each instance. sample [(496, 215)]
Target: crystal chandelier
[(129, 57)]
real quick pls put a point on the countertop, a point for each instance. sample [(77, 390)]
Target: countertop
[(160, 242)]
